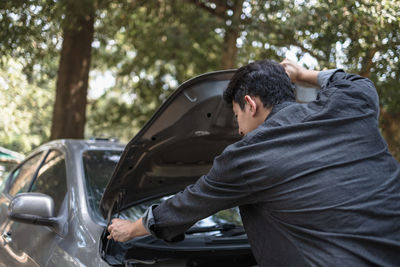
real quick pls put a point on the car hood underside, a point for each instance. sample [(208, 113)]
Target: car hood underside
[(176, 146)]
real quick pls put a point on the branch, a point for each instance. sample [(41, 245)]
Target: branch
[(291, 41), (367, 63), (220, 13), (306, 50), (221, 5)]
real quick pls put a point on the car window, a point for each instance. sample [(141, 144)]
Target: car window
[(21, 178), (98, 166), (52, 178), (2, 178)]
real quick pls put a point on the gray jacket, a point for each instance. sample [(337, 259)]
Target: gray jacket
[(315, 183)]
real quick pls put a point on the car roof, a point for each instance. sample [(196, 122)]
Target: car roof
[(84, 144)]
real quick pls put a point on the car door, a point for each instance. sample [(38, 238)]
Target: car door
[(29, 244), (18, 181)]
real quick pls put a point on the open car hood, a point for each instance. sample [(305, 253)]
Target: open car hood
[(176, 146)]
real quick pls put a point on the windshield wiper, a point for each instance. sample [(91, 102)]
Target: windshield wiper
[(226, 227)]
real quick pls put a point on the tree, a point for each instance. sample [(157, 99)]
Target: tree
[(155, 46), (32, 30), (348, 34), (231, 14), (152, 46), (69, 113)]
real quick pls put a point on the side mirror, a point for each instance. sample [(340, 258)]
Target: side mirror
[(33, 208)]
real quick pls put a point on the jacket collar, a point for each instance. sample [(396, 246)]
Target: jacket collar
[(278, 107)]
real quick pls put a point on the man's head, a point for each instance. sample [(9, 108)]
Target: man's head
[(255, 89)]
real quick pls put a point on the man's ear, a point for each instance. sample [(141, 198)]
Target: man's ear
[(252, 104)]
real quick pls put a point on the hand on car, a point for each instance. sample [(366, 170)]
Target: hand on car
[(123, 230)]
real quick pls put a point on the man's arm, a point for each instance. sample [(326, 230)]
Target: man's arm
[(223, 187), (360, 89)]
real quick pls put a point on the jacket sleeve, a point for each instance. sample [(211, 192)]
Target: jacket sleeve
[(355, 89), (223, 187)]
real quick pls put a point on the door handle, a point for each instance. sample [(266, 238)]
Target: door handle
[(6, 237)]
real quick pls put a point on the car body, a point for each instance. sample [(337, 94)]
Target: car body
[(56, 204), (71, 236)]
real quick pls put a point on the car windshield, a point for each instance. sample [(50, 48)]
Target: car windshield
[(99, 166)]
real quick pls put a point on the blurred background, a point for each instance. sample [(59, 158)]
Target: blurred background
[(100, 68)]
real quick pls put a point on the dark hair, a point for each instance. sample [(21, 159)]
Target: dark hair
[(266, 79)]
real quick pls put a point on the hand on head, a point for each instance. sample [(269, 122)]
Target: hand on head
[(299, 74), (293, 70)]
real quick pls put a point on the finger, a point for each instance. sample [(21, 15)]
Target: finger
[(109, 237), (285, 61)]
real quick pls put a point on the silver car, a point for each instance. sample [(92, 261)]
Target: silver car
[(55, 206)]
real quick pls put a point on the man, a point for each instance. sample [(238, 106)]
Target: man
[(315, 182)]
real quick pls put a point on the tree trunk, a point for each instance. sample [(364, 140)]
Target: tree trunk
[(69, 114), (391, 131), (229, 52)]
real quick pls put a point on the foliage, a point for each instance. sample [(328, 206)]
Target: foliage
[(152, 46), (156, 40), (361, 36), (29, 30), (26, 109)]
